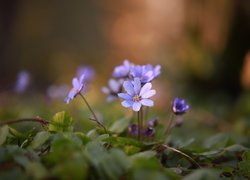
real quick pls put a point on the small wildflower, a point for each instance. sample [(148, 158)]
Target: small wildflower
[(88, 71), (136, 95), (23, 80), (114, 87), (149, 132), (122, 71), (78, 85), (179, 106), (133, 129), (153, 122), (146, 73)]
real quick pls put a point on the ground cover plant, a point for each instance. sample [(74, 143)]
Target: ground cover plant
[(137, 146)]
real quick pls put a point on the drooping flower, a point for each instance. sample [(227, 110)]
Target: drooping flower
[(88, 71), (22, 82), (137, 96), (122, 71), (153, 122), (78, 85), (149, 132), (114, 87), (179, 106), (146, 73), (133, 129)]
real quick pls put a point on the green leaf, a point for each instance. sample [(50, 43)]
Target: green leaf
[(203, 174), (236, 148), (40, 139), (246, 156), (36, 170), (143, 155), (120, 125), (4, 131), (244, 165), (220, 140), (61, 122), (107, 164)]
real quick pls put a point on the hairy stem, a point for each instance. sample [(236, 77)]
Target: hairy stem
[(168, 130), (43, 122), (92, 112), (140, 123), (183, 154)]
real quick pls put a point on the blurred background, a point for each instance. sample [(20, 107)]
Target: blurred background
[(203, 47)]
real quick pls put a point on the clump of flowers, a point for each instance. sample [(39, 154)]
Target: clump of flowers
[(137, 89)]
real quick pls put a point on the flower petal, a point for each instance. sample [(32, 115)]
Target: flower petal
[(128, 86), (81, 81), (147, 102), (114, 86), (148, 94), (125, 96), (127, 104), (75, 83), (72, 93), (137, 85), (136, 106), (145, 88)]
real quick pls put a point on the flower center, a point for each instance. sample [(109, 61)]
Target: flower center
[(136, 98)]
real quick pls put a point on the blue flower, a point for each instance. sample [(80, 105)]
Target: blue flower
[(78, 85), (23, 81), (146, 73), (123, 70), (114, 87), (136, 95), (149, 132), (179, 106), (88, 71), (133, 129)]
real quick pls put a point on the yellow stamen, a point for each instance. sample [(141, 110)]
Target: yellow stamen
[(136, 98)]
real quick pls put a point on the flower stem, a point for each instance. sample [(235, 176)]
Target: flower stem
[(43, 122), (182, 153), (92, 112), (168, 130), (140, 123)]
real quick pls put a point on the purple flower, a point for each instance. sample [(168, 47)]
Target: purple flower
[(78, 85), (146, 73), (123, 70), (149, 132), (153, 122), (114, 87), (23, 80), (156, 70), (133, 129), (179, 106), (88, 71), (136, 95)]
